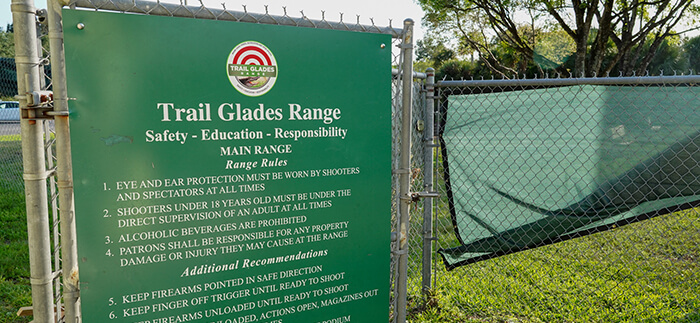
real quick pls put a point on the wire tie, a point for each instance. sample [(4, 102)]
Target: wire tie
[(38, 177)]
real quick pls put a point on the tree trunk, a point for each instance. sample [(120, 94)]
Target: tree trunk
[(604, 32), (580, 62)]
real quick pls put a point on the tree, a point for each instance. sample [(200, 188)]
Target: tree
[(433, 51), (607, 34), (670, 58), (691, 49), (7, 43)]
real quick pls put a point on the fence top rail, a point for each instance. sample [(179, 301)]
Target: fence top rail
[(201, 12), (416, 75), (646, 80)]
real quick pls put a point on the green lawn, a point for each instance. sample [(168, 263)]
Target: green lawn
[(644, 272), (14, 257), (15, 291)]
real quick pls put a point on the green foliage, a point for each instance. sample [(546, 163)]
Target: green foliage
[(554, 35), (421, 66), (553, 48), (7, 44), (459, 70), (7, 41), (8, 74), (691, 49), (433, 52), (669, 58), (553, 54)]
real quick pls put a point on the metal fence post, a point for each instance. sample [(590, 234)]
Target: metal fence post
[(69, 252), (429, 149), (35, 173), (404, 168)]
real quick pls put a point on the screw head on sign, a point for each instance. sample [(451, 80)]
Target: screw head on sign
[(382, 45), (81, 26)]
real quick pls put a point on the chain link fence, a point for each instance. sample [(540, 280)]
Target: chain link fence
[(10, 145), (13, 155), (397, 116), (526, 166), (535, 147), (417, 169), (10, 156), (8, 78)]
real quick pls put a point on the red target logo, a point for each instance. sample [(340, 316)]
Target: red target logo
[(251, 68)]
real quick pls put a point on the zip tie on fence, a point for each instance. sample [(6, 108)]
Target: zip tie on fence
[(22, 7), (64, 184), (401, 171), (55, 35), (400, 252), (37, 281), (34, 61), (39, 177)]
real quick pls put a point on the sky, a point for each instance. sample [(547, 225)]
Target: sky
[(381, 10)]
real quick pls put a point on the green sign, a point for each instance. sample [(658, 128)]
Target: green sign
[(229, 172)]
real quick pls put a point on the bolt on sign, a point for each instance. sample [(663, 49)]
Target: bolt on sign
[(229, 172)]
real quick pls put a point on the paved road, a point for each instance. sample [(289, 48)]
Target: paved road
[(11, 128)]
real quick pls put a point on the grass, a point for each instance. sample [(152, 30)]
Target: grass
[(11, 161), (15, 290), (645, 272), (6, 138)]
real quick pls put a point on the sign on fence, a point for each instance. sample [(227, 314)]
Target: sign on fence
[(229, 172)]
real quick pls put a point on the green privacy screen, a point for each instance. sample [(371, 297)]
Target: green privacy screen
[(229, 172), (537, 166)]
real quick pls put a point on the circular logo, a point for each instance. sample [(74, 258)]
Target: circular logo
[(251, 68)]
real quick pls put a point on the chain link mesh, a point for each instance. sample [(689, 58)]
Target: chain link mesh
[(10, 152), (417, 168), (646, 271), (202, 12), (8, 78), (395, 155), (415, 254), (10, 145)]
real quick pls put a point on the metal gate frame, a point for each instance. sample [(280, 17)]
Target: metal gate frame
[(55, 286)]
